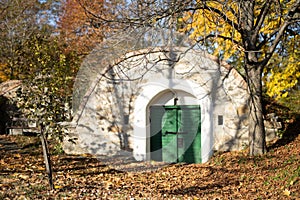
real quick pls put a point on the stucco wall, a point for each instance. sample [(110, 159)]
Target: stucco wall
[(107, 120)]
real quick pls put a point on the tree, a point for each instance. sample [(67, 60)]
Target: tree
[(254, 31), (19, 20), (31, 52), (80, 32), (47, 90)]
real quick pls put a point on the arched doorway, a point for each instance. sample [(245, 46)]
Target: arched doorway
[(175, 133), (164, 111)]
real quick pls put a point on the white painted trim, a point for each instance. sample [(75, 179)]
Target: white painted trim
[(151, 90)]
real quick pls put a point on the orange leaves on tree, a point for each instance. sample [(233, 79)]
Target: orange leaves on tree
[(77, 26)]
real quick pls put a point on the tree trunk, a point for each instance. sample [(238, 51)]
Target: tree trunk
[(257, 140), (47, 157)]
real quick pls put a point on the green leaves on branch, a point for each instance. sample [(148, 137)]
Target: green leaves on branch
[(47, 85)]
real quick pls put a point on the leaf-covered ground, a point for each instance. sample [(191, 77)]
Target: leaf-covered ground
[(230, 175)]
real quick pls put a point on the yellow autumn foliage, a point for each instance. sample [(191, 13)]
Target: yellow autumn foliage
[(203, 23), (282, 78), (215, 24)]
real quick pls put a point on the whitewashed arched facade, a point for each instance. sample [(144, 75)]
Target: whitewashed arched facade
[(113, 115)]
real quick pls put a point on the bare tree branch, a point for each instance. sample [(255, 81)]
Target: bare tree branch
[(211, 35)]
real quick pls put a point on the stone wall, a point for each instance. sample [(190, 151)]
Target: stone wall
[(105, 122)]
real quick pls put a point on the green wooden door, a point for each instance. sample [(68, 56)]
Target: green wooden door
[(175, 133), (170, 124), (190, 132)]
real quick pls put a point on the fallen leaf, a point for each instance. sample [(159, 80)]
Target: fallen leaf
[(286, 192), (58, 186), (21, 198), (22, 176)]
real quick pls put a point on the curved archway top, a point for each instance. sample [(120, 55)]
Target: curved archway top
[(181, 59), (154, 87), (151, 64)]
